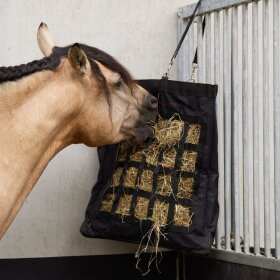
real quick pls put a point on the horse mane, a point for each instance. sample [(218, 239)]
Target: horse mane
[(13, 73)]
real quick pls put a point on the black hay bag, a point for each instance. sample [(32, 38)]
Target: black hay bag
[(164, 192)]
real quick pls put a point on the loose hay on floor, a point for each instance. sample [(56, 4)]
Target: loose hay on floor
[(185, 187), (168, 132), (138, 153), (123, 150), (193, 134), (141, 209), (107, 202), (146, 181), (182, 216), (116, 177), (124, 205), (164, 185), (130, 177), (169, 157), (189, 161), (152, 154)]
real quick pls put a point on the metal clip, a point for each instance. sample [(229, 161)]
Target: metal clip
[(166, 75), (192, 78)]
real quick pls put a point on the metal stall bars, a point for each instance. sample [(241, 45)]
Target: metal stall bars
[(240, 53)]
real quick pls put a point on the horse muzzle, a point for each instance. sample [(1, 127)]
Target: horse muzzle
[(148, 115)]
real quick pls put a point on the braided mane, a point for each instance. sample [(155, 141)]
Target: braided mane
[(13, 73)]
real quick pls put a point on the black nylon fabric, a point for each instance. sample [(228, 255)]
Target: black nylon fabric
[(194, 103)]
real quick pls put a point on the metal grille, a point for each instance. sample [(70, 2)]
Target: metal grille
[(239, 51)]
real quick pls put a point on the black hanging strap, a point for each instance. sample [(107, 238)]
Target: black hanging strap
[(166, 75), (203, 28), (194, 63)]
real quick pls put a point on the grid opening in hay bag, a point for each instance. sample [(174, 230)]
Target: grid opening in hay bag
[(163, 192)]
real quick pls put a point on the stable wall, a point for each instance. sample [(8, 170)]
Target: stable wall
[(142, 35)]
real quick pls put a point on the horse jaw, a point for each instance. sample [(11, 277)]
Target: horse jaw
[(44, 39)]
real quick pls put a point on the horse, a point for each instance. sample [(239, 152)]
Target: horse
[(74, 94)]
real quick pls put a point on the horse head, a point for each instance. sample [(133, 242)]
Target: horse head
[(113, 107)]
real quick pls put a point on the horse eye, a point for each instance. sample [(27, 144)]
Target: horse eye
[(119, 83)]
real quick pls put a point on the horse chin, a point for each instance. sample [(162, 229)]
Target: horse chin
[(142, 134)]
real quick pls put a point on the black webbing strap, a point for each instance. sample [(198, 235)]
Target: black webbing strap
[(203, 28), (166, 75)]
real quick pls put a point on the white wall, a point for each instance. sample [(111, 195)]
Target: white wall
[(142, 34)]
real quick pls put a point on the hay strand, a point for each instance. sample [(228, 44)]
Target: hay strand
[(107, 202), (146, 182), (182, 216), (116, 177), (153, 236), (123, 208), (141, 208), (152, 153), (168, 158), (193, 134), (160, 213), (189, 161), (185, 187), (130, 177), (168, 132), (164, 185), (123, 150), (138, 153)]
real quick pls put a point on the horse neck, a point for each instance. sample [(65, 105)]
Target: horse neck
[(36, 120)]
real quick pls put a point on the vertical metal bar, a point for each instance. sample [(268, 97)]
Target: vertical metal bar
[(246, 127), (276, 90), (204, 56), (227, 118), (208, 49), (255, 86), (182, 55), (220, 117), (235, 126), (195, 44), (190, 51), (187, 50), (266, 128), (199, 50)]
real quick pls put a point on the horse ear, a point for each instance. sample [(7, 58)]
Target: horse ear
[(78, 58), (44, 39)]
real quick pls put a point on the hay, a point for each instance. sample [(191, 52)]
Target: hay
[(185, 187), (164, 185), (141, 209), (146, 182), (153, 236), (107, 202), (160, 213), (116, 177), (130, 177), (168, 158), (138, 153), (168, 132), (123, 208), (152, 153), (193, 134), (123, 149), (189, 161), (182, 216)]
